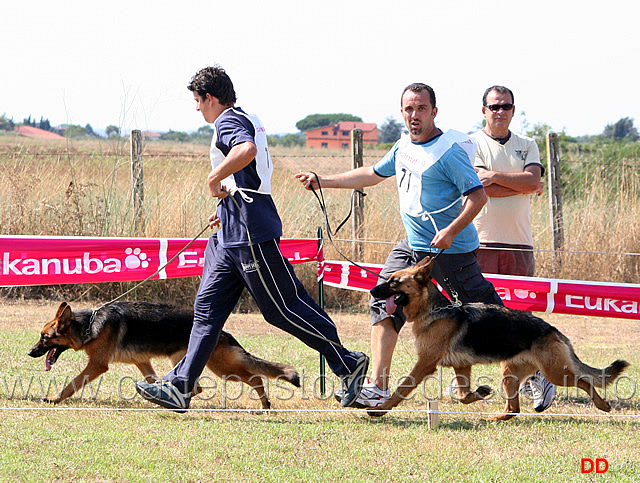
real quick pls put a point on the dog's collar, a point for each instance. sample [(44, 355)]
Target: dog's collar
[(452, 291), (451, 306), (87, 332)]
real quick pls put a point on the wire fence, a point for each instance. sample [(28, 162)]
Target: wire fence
[(86, 190)]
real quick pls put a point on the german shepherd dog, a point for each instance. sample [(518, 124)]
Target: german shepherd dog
[(134, 333), (478, 333)]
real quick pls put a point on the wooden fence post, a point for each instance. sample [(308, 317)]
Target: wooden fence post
[(433, 417), (137, 184), (357, 202), (555, 197)]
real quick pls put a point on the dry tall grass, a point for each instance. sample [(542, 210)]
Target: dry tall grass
[(57, 188), (601, 223)]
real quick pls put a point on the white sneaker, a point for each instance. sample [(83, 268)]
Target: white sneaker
[(543, 392), (370, 396)]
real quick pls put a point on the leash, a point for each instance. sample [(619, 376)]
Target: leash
[(454, 294), (330, 233), (87, 331), (323, 208)]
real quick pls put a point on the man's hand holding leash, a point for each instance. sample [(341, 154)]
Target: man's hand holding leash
[(214, 220), (308, 180)]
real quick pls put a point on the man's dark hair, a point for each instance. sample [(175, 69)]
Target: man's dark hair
[(215, 81), (499, 90), (419, 87)]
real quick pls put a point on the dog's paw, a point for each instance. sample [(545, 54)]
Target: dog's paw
[(377, 412), (502, 417), (52, 400), (483, 391)]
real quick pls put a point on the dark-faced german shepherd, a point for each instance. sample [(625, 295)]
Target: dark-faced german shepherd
[(134, 333), (477, 333)]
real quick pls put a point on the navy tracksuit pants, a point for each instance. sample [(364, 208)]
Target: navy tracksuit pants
[(226, 272)]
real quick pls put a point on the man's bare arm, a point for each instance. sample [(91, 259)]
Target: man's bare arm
[(239, 156), (472, 206), (501, 184), (355, 178)]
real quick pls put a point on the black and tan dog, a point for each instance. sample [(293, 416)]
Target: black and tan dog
[(477, 333), (136, 332)]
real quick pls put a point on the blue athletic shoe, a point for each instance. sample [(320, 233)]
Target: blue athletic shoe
[(164, 394), (352, 383)]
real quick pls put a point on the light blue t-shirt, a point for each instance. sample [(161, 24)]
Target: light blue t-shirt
[(432, 178)]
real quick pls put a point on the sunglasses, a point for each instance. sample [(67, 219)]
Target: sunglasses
[(497, 107)]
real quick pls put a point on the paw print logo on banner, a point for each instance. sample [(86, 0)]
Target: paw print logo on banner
[(524, 294), (508, 293), (136, 258)]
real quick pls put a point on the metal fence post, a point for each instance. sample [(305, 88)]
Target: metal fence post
[(323, 386)]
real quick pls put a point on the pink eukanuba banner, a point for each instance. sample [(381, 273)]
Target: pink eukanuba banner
[(65, 260), (32, 260), (600, 299)]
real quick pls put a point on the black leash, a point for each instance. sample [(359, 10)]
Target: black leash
[(330, 234), (87, 331)]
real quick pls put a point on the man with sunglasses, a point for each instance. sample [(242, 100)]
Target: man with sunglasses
[(508, 164)]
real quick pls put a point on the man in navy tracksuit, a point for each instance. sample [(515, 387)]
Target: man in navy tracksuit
[(245, 253)]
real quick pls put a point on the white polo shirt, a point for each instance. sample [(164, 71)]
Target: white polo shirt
[(506, 220)]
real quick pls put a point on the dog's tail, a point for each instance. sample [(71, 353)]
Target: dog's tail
[(599, 377), (273, 370), (262, 367)]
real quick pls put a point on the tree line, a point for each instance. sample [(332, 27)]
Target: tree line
[(389, 131)]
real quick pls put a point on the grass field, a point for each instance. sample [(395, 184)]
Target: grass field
[(109, 433)]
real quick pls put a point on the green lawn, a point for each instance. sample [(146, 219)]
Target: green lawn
[(111, 434)]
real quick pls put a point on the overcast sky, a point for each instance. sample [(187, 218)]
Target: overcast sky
[(572, 64)]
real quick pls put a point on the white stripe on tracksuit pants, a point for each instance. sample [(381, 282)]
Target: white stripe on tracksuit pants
[(226, 272)]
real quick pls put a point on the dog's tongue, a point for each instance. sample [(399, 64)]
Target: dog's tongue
[(391, 305), (47, 362)]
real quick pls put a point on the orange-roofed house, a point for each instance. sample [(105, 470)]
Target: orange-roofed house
[(338, 136), (152, 136), (34, 132)]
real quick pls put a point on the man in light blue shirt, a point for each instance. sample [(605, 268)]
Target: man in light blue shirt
[(440, 194), (433, 177)]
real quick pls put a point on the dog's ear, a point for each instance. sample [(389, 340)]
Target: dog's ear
[(426, 263), (423, 274), (64, 315), (422, 278), (61, 309)]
